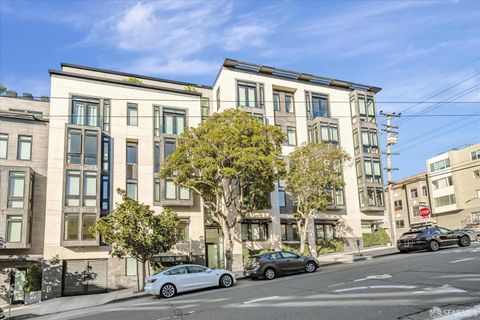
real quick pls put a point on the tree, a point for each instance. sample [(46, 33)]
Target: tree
[(11, 93), (27, 95), (315, 170), (232, 161), (2, 89), (132, 230)]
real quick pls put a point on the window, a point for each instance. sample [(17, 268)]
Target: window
[(292, 136), (276, 101), (24, 151), (478, 193), (289, 231), (132, 189), (373, 171), (358, 166), (196, 269), (339, 198), (329, 132), (156, 190), (361, 197), (369, 140), (74, 149), (254, 231), (353, 109), (247, 95), (170, 190), (132, 153), (475, 217), (424, 191), (370, 109), (105, 193), (324, 231), (130, 267), (106, 115), (16, 189), (14, 228), (90, 189), (476, 174), (281, 198), (71, 226), (362, 108), (375, 197), (398, 205), (72, 188), (184, 193), (156, 157), (91, 148), (442, 183), (379, 197), (183, 231), (289, 106), (132, 114), (177, 271), (476, 155), (400, 223), (320, 106), (85, 111), (440, 165), (218, 99), (88, 221), (413, 193), (156, 121), (3, 145), (173, 121), (205, 108), (356, 145), (444, 201), (371, 196), (169, 147), (106, 155)]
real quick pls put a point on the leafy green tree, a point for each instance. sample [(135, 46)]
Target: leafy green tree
[(133, 230), (27, 95), (2, 89), (315, 169), (232, 161), (33, 278), (11, 93)]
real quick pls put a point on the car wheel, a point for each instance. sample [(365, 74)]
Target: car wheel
[(464, 241), (269, 274), (226, 281), (478, 238), (310, 267), (168, 290), (433, 246)]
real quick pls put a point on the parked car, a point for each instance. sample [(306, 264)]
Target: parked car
[(269, 265), (171, 281), (473, 233), (431, 238)]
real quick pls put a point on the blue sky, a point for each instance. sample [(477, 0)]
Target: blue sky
[(412, 49)]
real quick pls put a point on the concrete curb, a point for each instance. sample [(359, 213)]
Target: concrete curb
[(360, 258)]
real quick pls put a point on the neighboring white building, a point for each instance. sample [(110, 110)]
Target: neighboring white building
[(112, 130)]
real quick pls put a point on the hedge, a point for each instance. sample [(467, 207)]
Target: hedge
[(376, 238), (323, 246)]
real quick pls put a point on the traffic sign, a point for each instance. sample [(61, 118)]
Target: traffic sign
[(424, 212)]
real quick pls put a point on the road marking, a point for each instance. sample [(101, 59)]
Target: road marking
[(336, 284), (261, 299), (351, 289), (177, 316), (461, 314), (377, 287), (462, 260), (443, 289), (374, 277)]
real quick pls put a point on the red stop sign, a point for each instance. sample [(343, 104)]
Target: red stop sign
[(424, 212)]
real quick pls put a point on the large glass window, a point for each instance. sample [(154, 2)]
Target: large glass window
[(132, 153), (205, 108), (183, 231), (368, 169), (289, 231), (74, 149), (329, 132), (169, 147), (442, 183), (91, 148), (289, 106), (361, 197), (445, 200), (78, 112), (71, 227), (254, 231), (170, 190), (72, 188), (16, 189), (132, 114), (373, 171), (90, 188), (320, 106), (173, 121), (369, 140), (130, 267), (14, 228), (3, 145), (156, 157), (247, 95), (276, 101), (414, 193), (353, 109), (85, 111), (440, 165), (362, 108), (92, 115), (88, 221), (184, 193), (324, 231), (281, 198), (291, 136), (24, 151), (132, 192)]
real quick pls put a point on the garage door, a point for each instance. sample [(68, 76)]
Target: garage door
[(84, 277)]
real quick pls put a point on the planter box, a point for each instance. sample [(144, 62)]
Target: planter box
[(33, 297)]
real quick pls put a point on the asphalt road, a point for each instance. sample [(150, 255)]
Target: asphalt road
[(422, 285)]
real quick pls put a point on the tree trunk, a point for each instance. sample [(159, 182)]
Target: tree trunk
[(138, 275), (312, 243), (302, 230), (144, 274), (228, 236)]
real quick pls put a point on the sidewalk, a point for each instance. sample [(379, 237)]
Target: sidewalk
[(86, 301)]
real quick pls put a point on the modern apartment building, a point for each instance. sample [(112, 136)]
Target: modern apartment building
[(409, 196), (23, 183), (454, 178), (112, 130)]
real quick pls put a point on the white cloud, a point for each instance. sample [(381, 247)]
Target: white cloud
[(152, 65)]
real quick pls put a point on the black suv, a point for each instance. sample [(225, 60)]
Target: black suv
[(432, 238), (269, 265)]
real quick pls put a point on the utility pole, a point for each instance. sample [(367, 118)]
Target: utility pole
[(392, 138)]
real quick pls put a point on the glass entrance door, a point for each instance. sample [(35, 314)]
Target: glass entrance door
[(214, 245)]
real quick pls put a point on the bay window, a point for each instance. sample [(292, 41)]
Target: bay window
[(90, 189), (16, 189), (71, 227), (72, 188), (88, 221), (74, 148), (14, 228), (173, 121), (91, 148)]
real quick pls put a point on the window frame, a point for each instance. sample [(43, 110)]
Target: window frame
[(295, 134), (132, 120), (86, 198), (90, 133), (174, 113), (20, 143), (77, 174), (245, 85), (132, 182), (11, 218), (11, 199), (4, 138), (263, 232)]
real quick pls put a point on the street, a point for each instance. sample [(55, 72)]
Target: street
[(421, 285)]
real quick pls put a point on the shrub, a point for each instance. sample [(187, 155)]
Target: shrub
[(377, 238), (329, 246), (33, 278)]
